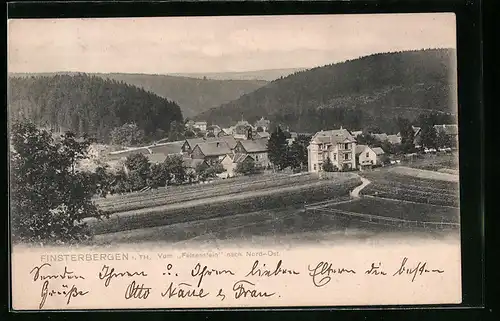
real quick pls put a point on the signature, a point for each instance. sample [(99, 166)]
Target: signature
[(184, 290), (71, 293), (263, 271), (108, 274), (69, 275), (202, 272), (321, 273), (135, 291), (419, 269), (240, 290)]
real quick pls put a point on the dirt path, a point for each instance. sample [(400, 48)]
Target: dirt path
[(355, 192)]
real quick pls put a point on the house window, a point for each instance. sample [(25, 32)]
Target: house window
[(334, 156), (346, 156), (256, 157), (368, 154), (314, 166), (346, 146)]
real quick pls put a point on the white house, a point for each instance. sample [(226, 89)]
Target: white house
[(368, 156), (338, 145)]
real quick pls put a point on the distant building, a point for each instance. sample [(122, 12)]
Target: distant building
[(367, 156), (380, 137), (201, 125), (241, 129), (262, 135), (338, 145), (256, 149), (262, 123), (356, 133), (211, 152), (394, 139), (417, 138)]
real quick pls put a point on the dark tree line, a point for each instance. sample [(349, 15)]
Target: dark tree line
[(360, 91), (90, 104)]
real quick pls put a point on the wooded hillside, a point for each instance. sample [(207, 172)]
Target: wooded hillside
[(89, 104), (370, 91)]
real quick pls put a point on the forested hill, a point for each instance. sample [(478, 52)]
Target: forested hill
[(368, 91), (193, 95), (89, 104)]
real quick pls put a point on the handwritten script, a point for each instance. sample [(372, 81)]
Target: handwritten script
[(61, 284)]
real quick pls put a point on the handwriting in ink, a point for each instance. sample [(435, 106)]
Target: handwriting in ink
[(135, 291), (221, 295), (375, 270), (240, 290), (69, 275), (72, 293), (182, 292), (202, 272), (108, 274), (323, 270), (414, 271), (263, 271)]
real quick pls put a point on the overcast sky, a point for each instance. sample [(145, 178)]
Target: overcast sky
[(216, 44)]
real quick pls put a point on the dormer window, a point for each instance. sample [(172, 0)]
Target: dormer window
[(346, 146)]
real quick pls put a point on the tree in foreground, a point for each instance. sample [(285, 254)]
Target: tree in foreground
[(49, 197), (176, 168), (297, 155), (278, 149), (407, 135), (328, 165)]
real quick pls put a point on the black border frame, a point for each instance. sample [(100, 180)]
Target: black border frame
[(470, 92)]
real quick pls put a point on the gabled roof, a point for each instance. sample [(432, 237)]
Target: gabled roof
[(192, 142), (335, 136), (216, 148), (254, 146), (378, 151), (447, 129), (263, 134), (229, 140), (360, 149)]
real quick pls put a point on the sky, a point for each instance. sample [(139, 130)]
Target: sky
[(217, 44)]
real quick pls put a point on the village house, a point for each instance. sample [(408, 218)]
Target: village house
[(394, 139), (338, 145), (214, 129), (242, 129), (417, 138), (262, 123), (356, 133), (256, 149), (265, 135), (367, 157), (201, 125), (211, 152)]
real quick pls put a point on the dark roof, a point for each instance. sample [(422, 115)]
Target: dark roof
[(378, 150), (238, 158), (335, 136), (216, 148), (360, 149), (254, 146)]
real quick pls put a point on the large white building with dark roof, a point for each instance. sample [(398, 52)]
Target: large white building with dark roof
[(338, 145)]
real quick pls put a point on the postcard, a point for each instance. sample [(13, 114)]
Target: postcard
[(234, 162)]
